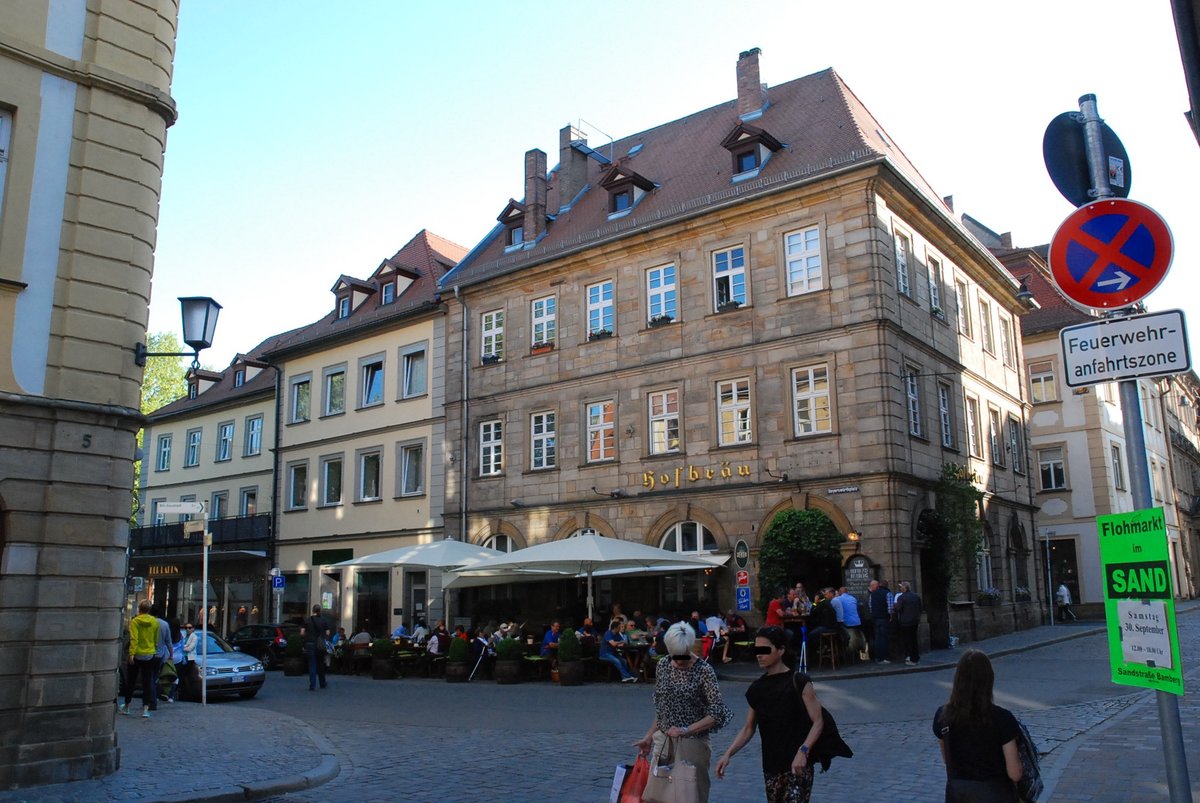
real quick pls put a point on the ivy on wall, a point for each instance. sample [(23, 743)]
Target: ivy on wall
[(956, 529), (790, 532)]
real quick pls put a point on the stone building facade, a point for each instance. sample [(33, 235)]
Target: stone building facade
[(759, 307), (84, 109)]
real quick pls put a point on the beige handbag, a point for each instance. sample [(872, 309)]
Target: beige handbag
[(671, 780)]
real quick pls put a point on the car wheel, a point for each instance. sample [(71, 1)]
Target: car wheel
[(246, 695), (269, 661)]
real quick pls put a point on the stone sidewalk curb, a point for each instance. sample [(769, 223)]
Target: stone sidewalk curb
[(325, 771)]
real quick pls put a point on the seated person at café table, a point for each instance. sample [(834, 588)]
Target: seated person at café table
[(420, 632), (550, 641), (609, 645), (735, 630), (339, 637), (588, 630), (824, 618), (400, 632), (633, 632)]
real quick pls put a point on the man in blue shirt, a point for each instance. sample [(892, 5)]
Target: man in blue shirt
[(609, 643), (852, 621), (400, 632), (550, 641)]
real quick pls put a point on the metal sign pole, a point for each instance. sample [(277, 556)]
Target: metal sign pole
[(205, 539), (1139, 470)]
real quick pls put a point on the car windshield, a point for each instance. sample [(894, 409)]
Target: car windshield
[(216, 644)]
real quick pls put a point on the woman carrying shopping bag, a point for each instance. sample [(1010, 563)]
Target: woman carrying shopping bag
[(687, 709)]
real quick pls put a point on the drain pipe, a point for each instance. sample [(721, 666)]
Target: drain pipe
[(465, 418)]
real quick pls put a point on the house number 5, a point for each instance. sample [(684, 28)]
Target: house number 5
[(87, 441)]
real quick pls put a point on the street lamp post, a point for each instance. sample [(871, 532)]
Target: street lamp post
[(199, 326)]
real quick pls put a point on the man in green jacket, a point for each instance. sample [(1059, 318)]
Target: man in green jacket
[(143, 659)]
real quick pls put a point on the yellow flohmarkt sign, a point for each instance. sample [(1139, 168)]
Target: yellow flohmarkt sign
[(1139, 605)]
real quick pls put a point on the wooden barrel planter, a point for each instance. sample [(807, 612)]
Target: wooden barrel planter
[(457, 672), (509, 670), (570, 673)]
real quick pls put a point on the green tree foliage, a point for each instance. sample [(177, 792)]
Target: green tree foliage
[(793, 531), (164, 380), (955, 528)]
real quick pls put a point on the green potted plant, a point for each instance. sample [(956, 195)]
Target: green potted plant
[(508, 661), (295, 662), (458, 661), (570, 659), (382, 652)]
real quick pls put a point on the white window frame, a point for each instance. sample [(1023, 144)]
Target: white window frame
[(331, 376), (388, 292), (343, 307), (1016, 444), (365, 459), (1118, 466), (974, 425), (996, 437), (662, 293), (902, 242), (297, 471), (500, 542), (734, 420), (491, 447), (802, 260), (414, 371), (248, 501), (730, 280), (912, 396), (946, 414), (299, 399), (1052, 459), (253, 439), (239, 377), (218, 505), (601, 309), (412, 468), (663, 412), (1042, 378), (164, 453), (372, 377), (331, 467), (934, 269), (191, 454), (543, 321), (224, 441), (986, 335), (690, 537), (543, 441), (962, 301), (812, 409), (157, 518), (1008, 347), (601, 431), (491, 334)]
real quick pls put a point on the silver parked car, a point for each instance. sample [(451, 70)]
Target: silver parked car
[(230, 672)]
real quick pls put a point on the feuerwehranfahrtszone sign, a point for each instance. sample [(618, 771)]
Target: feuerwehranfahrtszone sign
[(1110, 253), (1139, 603), (1135, 346)]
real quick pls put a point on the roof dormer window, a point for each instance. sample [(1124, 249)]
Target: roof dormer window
[(516, 236), (192, 389), (343, 308), (621, 201), (389, 293), (239, 377), (750, 148), (625, 189), (513, 220)]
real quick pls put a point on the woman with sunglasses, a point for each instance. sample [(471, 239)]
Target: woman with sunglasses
[(785, 709), (687, 705)]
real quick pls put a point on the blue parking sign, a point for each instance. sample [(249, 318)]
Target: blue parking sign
[(743, 598), (277, 581)]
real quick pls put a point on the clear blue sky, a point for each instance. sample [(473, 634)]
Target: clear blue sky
[(315, 138)]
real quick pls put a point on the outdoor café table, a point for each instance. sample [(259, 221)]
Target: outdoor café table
[(635, 653)]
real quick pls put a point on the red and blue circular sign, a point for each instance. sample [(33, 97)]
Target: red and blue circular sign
[(1110, 253)]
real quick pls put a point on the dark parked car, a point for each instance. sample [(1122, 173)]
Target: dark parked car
[(230, 672), (265, 642)]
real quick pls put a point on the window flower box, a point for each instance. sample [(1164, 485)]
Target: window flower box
[(988, 596), (490, 359), (660, 320), (937, 312), (727, 306), (542, 347), (600, 334)]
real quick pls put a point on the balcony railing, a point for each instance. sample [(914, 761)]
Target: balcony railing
[(231, 533)]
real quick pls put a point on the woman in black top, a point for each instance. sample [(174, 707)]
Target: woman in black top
[(977, 737), (785, 709)]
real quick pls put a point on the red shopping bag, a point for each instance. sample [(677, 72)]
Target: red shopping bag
[(635, 781)]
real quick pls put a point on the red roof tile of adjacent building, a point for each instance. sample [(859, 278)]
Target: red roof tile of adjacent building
[(820, 121)]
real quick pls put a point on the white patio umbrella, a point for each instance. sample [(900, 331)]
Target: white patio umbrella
[(584, 555)]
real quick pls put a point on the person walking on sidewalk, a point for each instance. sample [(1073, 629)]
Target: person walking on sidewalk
[(315, 631), (978, 738), (908, 616), (795, 733), (143, 659), (1064, 603)]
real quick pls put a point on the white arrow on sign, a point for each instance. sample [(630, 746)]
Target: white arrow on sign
[(1122, 281), (180, 508)]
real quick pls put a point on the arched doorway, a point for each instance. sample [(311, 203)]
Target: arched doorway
[(800, 546), (934, 541)]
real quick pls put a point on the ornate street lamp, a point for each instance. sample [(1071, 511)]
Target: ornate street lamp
[(199, 327)]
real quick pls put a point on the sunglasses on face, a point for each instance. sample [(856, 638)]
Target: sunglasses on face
[(763, 650)]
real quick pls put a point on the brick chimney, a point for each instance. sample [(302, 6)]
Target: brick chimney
[(752, 95), (572, 165), (535, 195)]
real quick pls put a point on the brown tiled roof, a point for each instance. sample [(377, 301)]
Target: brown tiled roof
[(1030, 265), (426, 256), (223, 391), (822, 124)]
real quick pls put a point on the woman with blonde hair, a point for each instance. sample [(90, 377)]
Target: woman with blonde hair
[(688, 707), (978, 738)]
